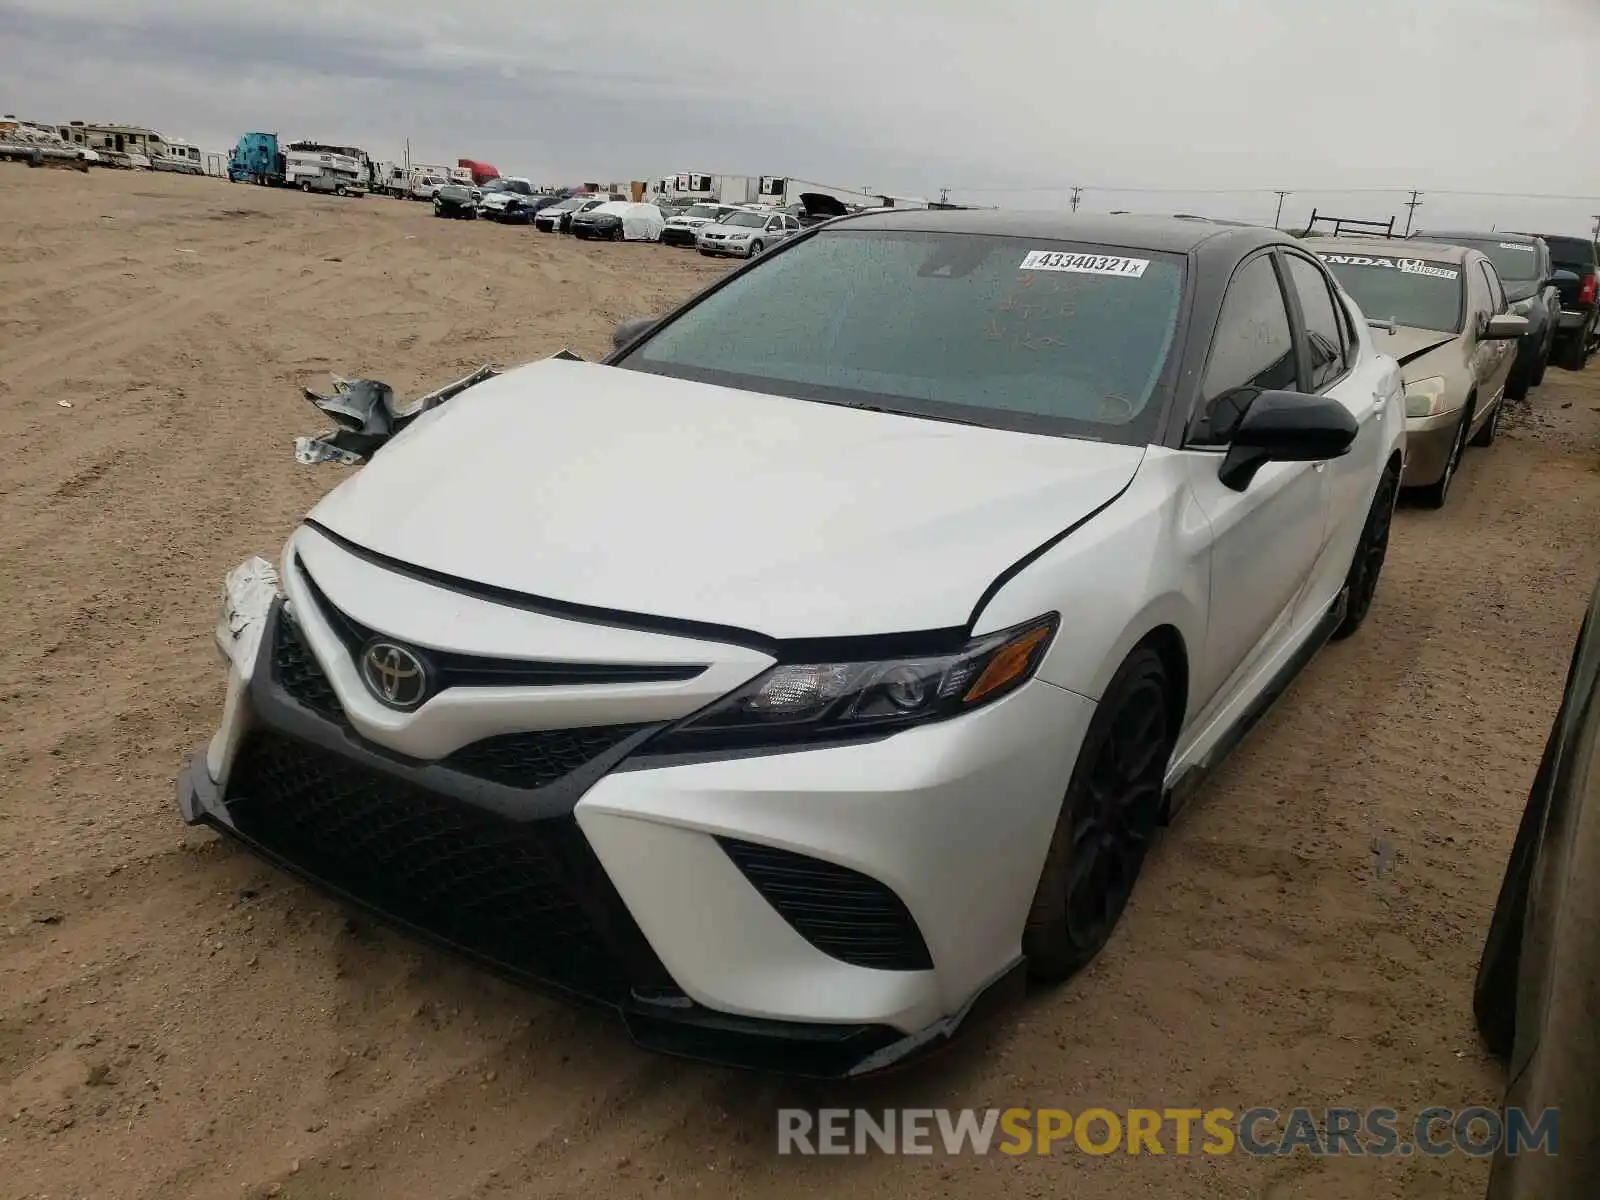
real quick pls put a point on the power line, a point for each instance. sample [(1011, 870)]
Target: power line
[(1342, 191)]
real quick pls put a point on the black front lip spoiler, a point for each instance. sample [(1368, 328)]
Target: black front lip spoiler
[(678, 1026)]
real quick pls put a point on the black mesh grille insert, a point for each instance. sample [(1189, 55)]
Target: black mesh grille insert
[(299, 673), (510, 892), (532, 760), (841, 912)]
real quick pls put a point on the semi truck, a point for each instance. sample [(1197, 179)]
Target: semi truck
[(257, 159)]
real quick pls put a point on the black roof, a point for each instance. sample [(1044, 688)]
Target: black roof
[(1174, 235), (1479, 235)]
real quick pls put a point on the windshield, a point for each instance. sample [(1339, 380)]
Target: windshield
[(701, 210), (1514, 262), (746, 220), (1007, 332), (566, 205), (1407, 291), (496, 185)]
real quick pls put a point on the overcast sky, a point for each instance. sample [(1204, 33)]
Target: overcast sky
[(903, 96)]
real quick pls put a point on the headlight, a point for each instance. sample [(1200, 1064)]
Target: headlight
[(1426, 397), (795, 703)]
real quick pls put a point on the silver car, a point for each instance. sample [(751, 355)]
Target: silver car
[(745, 233), (1452, 330)]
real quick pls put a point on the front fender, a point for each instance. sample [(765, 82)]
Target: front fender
[(1142, 563)]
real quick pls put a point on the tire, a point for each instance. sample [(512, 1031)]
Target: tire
[(1571, 354), (1108, 817), (616, 235), (707, 253), (1435, 494), (1491, 427), (755, 248), (305, 185), (1361, 584), (1519, 382), (340, 191)]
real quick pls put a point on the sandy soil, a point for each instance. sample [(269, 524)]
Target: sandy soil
[(177, 1020)]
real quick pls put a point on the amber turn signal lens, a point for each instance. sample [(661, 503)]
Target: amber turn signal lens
[(1012, 661)]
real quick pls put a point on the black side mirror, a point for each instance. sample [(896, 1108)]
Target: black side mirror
[(630, 329), (1286, 427)]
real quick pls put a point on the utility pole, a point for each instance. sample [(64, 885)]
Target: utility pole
[(1414, 204), (1277, 221), (1597, 228), (1076, 192), (408, 157), (944, 195)]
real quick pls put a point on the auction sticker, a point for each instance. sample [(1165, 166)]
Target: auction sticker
[(1084, 264), (1524, 247)]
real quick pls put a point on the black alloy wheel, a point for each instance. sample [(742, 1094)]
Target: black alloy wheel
[(1108, 818), (1362, 582)]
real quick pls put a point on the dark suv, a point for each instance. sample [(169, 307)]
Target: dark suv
[(1578, 277), (1523, 263)]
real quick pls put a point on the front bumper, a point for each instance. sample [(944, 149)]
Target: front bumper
[(1428, 443), (733, 249), (646, 885), (677, 235), (585, 231)]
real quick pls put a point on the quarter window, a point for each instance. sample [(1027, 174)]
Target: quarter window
[(1253, 351), (1324, 342)]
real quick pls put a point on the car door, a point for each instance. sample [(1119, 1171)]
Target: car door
[(1266, 539), (774, 231), (1334, 369)]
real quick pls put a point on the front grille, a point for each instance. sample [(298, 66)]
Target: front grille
[(509, 892), (526, 760), (299, 673), (532, 760), (451, 669), (841, 912)]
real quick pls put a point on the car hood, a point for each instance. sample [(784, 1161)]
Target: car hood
[(501, 199), (1425, 352), (622, 490), (1408, 345)]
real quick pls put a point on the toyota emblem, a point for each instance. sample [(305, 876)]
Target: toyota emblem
[(394, 675)]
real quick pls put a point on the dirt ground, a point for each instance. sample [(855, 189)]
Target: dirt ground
[(177, 1020)]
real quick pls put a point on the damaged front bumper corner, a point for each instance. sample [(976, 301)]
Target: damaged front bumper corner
[(248, 593)]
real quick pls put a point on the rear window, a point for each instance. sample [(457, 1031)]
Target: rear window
[(1407, 291), (1514, 262), (1571, 252), (1011, 333)]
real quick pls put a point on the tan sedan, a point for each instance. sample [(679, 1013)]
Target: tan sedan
[(1452, 330)]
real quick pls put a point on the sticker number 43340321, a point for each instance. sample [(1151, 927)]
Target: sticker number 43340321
[(1084, 264)]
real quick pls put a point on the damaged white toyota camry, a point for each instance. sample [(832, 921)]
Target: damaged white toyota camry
[(826, 659)]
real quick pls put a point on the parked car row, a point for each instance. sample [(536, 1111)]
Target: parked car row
[(726, 230)]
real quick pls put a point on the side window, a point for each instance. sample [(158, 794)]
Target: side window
[(1497, 294), (1253, 350), (1324, 337)]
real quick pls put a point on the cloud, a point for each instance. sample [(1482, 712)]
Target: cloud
[(1012, 94)]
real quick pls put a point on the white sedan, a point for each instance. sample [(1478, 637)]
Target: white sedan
[(745, 232), (823, 662)]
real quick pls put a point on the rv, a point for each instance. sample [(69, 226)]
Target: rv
[(311, 162)]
